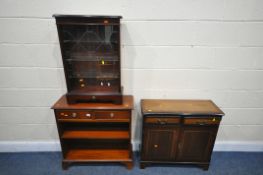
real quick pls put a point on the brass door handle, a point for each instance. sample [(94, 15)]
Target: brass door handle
[(179, 146)]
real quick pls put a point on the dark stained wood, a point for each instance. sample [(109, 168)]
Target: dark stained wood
[(81, 97), (84, 16), (156, 147), (65, 165), (63, 104), (90, 49), (180, 107), (196, 144), (179, 131), (162, 120), (202, 121)]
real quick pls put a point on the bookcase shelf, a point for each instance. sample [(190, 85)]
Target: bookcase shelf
[(95, 132), (99, 155), (76, 134)]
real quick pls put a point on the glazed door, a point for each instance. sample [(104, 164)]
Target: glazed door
[(91, 57), (196, 143), (159, 144)]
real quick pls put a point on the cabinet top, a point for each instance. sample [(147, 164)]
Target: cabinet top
[(179, 107), (85, 16), (86, 20), (63, 104)]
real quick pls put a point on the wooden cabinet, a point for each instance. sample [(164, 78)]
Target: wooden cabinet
[(95, 132), (90, 49), (179, 131)]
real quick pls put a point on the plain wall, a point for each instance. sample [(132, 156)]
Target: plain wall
[(182, 49)]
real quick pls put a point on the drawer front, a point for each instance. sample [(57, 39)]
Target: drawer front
[(202, 121), (112, 115), (67, 114), (162, 120), (94, 116)]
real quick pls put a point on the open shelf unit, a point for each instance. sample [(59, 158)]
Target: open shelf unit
[(95, 132)]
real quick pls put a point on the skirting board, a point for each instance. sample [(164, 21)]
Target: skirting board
[(46, 146), (29, 146)]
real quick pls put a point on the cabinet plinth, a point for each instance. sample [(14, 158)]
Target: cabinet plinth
[(95, 132), (179, 131)]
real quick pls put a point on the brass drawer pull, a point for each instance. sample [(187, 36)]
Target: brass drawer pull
[(74, 114), (201, 123), (88, 115), (64, 114), (155, 146), (162, 122), (111, 114)]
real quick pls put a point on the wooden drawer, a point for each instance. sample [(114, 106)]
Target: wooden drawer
[(67, 114), (162, 120), (112, 115), (93, 116), (202, 121)]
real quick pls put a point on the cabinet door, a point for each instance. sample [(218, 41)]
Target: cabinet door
[(159, 144), (91, 55), (196, 143)]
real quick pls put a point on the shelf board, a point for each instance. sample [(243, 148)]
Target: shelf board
[(92, 76), (92, 55), (124, 120), (77, 134), (88, 58), (97, 155)]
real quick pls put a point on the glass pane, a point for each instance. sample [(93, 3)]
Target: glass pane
[(92, 57), (94, 69), (90, 40)]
